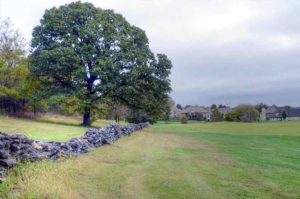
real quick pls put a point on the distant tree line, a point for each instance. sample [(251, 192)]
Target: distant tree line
[(241, 113)]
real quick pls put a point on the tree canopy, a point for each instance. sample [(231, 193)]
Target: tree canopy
[(16, 83), (91, 53), (216, 116), (246, 113)]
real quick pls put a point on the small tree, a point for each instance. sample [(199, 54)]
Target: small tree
[(222, 106), (260, 106), (179, 106), (216, 116), (247, 113), (17, 85), (213, 106), (284, 115), (167, 110), (183, 119)]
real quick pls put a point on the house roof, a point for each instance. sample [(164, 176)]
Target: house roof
[(194, 109), (274, 109), (175, 109), (293, 112), (276, 112), (271, 109), (224, 110), (274, 115)]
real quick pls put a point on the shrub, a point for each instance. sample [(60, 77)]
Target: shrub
[(232, 117), (284, 115), (184, 119)]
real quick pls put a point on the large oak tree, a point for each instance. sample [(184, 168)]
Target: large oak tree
[(91, 53)]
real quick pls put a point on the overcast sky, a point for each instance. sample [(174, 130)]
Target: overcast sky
[(226, 52)]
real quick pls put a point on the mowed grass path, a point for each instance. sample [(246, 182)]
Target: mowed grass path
[(197, 160)]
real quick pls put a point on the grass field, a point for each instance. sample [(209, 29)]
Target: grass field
[(48, 128), (197, 160)]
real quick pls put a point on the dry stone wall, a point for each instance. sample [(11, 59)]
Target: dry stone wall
[(18, 147)]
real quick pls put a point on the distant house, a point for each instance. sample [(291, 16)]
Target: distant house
[(276, 113), (293, 114), (196, 113), (224, 110), (263, 115), (176, 112)]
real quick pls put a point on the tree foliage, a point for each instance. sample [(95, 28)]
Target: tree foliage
[(284, 115), (12, 44), (92, 54), (64, 105), (17, 85), (232, 117), (260, 106), (213, 106), (216, 116), (179, 106), (246, 113)]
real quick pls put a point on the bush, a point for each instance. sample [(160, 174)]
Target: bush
[(184, 119), (232, 117)]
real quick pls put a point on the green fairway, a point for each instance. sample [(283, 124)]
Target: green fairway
[(196, 160)]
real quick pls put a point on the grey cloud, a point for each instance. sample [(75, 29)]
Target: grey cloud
[(223, 52)]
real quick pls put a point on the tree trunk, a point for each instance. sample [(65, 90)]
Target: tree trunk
[(87, 110), (87, 116)]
